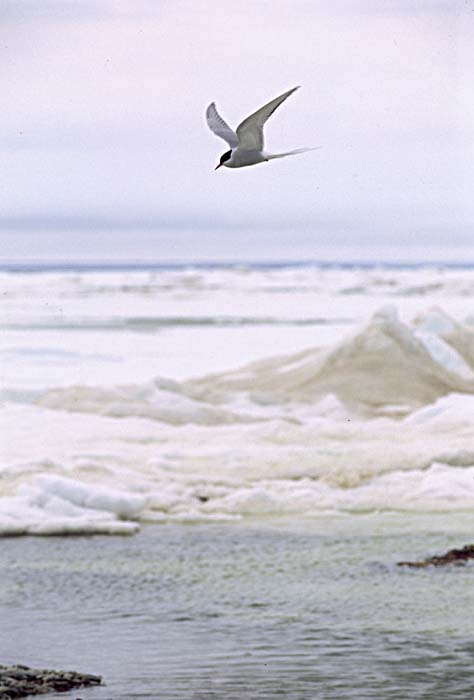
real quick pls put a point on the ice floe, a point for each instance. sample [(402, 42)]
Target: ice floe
[(382, 419)]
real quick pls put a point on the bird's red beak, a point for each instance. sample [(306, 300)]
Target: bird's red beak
[(218, 166)]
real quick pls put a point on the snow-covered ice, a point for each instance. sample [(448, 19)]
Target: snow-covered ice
[(136, 397)]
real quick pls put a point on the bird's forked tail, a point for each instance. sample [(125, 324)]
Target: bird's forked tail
[(291, 153)]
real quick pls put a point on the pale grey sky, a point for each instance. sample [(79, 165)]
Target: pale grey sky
[(105, 150)]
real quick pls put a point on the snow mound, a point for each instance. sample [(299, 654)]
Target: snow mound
[(158, 400), (384, 367)]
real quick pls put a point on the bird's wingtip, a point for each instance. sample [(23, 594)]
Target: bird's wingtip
[(293, 89)]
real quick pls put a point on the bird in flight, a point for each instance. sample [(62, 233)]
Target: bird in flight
[(246, 142)]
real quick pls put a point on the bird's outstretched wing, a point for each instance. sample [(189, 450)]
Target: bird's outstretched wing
[(219, 126), (250, 131)]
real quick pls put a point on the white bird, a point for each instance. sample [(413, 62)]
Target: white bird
[(246, 142)]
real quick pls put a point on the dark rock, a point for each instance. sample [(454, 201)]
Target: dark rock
[(454, 556), (20, 681)]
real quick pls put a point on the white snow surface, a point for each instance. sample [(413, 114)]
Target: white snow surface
[(344, 392)]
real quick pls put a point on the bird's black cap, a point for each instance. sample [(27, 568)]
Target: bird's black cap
[(225, 156)]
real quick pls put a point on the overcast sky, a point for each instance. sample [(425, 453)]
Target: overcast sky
[(105, 151)]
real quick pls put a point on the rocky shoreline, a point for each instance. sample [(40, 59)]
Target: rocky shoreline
[(453, 556), (20, 681)]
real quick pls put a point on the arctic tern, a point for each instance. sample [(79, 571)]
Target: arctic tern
[(246, 142)]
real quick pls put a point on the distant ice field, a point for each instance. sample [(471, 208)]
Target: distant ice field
[(153, 394)]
